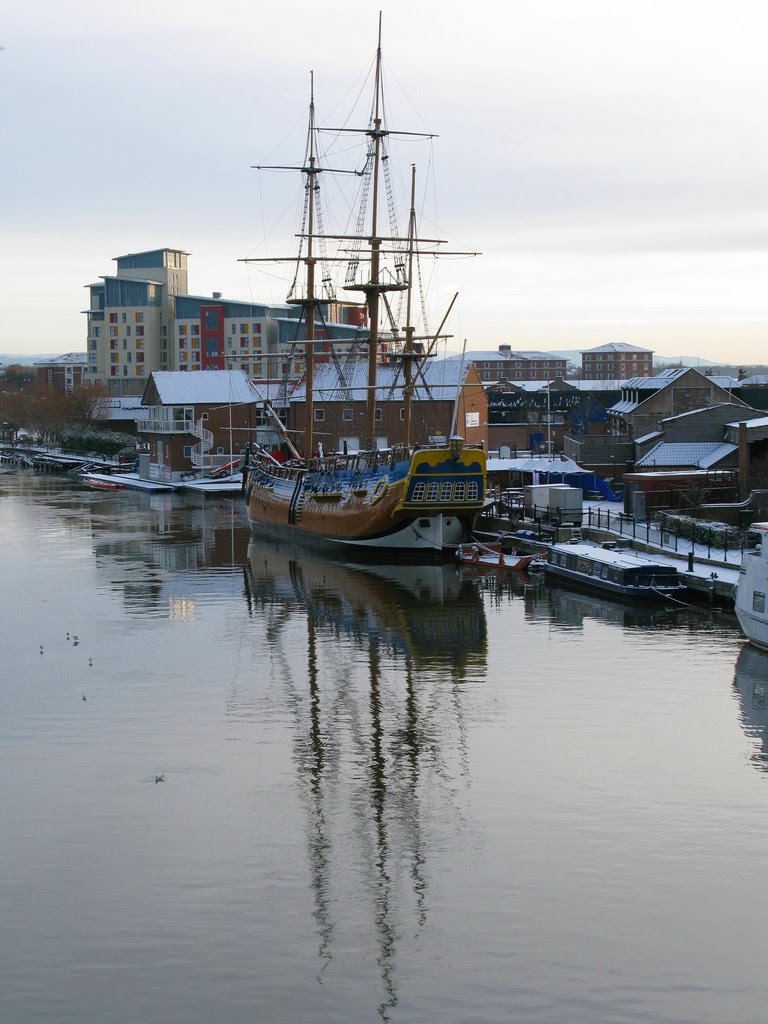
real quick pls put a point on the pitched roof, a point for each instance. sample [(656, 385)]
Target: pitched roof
[(618, 346), (202, 387), (442, 377), (699, 454), (67, 359)]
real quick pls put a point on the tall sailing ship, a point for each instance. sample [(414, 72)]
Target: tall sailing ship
[(405, 498)]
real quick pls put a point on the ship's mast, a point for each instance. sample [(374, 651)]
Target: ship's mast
[(310, 303), (374, 290), (408, 352)]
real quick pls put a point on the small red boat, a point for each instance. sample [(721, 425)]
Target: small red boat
[(102, 485), (491, 556)]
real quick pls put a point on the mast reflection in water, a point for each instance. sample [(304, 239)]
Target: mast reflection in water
[(377, 728)]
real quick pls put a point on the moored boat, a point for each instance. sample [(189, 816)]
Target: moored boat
[(413, 500), (752, 590), (615, 570), (99, 484), (491, 556)]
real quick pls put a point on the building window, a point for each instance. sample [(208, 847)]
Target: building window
[(125, 344), (347, 414), (243, 328), (195, 328), (140, 332), (243, 343), (139, 357), (187, 451), (402, 414), (113, 370), (183, 329), (139, 371), (96, 332), (113, 318), (257, 328), (113, 332), (319, 415), (379, 415), (139, 317)]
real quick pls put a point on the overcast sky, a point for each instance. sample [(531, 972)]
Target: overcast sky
[(609, 159)]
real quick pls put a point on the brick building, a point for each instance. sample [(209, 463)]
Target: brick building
[(616, 361)]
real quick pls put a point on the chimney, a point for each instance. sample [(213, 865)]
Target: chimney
[(217, 295)]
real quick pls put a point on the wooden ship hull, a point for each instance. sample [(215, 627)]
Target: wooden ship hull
[(421, 503)]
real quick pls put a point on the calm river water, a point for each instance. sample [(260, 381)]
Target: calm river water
[(387, 795)]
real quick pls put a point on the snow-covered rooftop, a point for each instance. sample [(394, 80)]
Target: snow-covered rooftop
[(618, 346), (697, 454), (202, 386), (442, 377)]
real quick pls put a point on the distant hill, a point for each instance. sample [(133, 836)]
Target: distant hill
[(26, 358)]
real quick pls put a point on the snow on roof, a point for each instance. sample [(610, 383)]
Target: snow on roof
[(759, 421), (618, 346), (756, 378), (442, 377), (68, 358), (533, 465), (203, 386), (699, 454), (491, 355), (648, 437), (721, 452)]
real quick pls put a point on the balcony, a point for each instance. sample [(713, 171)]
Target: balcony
[(164, 426)]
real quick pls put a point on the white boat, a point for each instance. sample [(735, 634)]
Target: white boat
[(615, 570), (751, 591)]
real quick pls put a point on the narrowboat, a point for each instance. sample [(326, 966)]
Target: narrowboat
[(613, 570)]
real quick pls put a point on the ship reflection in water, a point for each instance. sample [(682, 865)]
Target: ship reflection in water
[(751, 684), (375, 728)]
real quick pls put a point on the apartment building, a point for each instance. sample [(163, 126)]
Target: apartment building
[(512, 364), (616, 361), (142, 319)]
